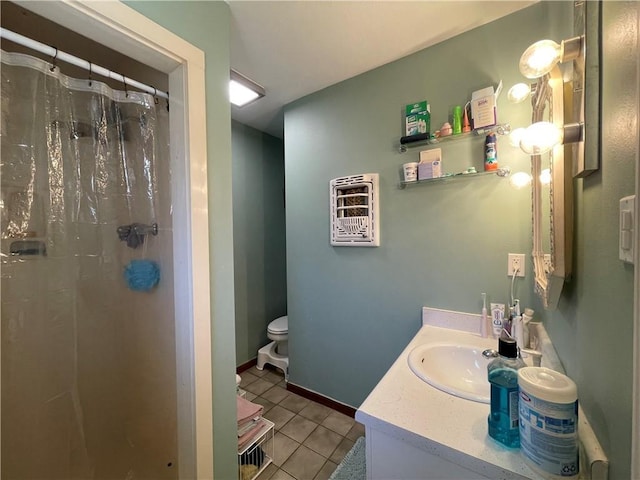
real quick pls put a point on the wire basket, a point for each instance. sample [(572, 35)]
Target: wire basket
[(258, 453)]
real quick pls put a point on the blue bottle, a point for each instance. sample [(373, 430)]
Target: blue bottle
[(503, 378)]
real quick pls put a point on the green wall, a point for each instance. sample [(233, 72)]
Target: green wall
[(593, 327), (353, 310), (259, 242), (206, 25)]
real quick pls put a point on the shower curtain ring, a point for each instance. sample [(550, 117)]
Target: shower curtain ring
[(155, 93), (53, 60), (90, 79), (124, 82)]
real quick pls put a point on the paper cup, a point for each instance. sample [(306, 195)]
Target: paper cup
[(410, 171)]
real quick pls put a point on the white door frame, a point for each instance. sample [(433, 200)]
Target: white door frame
[(635, 440), (635, 429), (123, 29)]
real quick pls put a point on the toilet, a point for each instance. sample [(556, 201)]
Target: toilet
[(276, 353)]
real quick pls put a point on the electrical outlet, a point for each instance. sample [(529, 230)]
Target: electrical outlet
[(515, 263), (547, 263)]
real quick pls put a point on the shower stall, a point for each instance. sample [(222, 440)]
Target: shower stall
[(88, 332)]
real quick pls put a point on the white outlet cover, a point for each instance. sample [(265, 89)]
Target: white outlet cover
[(521, 259)]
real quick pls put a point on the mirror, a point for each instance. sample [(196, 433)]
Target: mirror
[(552, 207), (558, 141)]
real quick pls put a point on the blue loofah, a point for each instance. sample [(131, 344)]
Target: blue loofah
[(142, 275)]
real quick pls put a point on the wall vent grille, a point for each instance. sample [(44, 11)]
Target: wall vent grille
[(354, 211)]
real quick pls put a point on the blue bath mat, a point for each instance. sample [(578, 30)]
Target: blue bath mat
[(353, 465)]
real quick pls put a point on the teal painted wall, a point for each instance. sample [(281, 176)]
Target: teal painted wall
[(593, 327), (353, 310), (258, 236), (206, 25)]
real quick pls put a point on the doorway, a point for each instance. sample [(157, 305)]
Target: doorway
[(119, 27)]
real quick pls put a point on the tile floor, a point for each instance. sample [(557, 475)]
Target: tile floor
[(310, 439)]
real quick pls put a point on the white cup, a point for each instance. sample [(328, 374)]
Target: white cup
[(410, 171)]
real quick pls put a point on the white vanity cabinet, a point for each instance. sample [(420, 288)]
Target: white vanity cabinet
[(391, 458), (416, 431)]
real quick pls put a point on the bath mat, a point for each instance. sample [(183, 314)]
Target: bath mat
[(353, 465)]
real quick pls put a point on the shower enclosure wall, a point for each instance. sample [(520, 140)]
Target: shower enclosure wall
[(88, 363)]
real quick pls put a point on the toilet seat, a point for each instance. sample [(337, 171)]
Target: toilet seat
[(279, 326)]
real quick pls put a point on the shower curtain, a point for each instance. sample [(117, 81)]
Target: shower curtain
[(88, 365)]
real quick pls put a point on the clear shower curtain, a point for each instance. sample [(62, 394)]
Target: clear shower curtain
[(79, 160)]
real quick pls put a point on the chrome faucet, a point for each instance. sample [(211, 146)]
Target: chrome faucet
[(490, 353)]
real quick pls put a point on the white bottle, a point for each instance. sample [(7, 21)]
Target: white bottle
[(527, 316)]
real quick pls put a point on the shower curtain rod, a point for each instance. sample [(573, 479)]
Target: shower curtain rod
[(56, 54)]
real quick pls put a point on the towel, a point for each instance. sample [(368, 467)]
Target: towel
[(251, 435), (247, 410)]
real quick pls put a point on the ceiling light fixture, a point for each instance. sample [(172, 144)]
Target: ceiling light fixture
[(243, 90)]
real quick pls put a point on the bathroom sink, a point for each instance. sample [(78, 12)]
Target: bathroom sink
[(459, 370)]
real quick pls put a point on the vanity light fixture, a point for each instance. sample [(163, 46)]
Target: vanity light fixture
[(542, 56), (541, 61), (242, 90)]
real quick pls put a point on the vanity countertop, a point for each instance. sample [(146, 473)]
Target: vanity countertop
[(455, 429)]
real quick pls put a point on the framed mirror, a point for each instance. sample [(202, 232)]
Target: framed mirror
[(561, 144)]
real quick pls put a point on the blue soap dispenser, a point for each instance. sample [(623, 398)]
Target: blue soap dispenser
[(503, 378)]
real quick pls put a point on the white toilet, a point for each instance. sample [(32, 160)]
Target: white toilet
[(276, 353)]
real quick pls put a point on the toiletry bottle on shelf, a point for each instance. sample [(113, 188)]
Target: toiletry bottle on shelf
[(490, 153), (466, 126), (503, 378), (457, 119)]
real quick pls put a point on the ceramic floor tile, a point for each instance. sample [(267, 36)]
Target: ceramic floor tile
[(259, 386), (258, 373), (268, 472), (282, 475), (304, 464), (338, 422), (356, 432), (323, 441), (299, 428), (250, 396), (315, 412), (341, 450), (280, 416), (247, 378), (275, 394), (274, 376), (266, 404), (326, 471), (283, 447), (294, 402)]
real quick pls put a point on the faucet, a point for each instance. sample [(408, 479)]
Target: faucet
[(490, 353)]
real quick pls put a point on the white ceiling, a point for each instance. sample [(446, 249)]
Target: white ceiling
[(294, 48)]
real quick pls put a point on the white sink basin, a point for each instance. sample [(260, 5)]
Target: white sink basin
[(459, 370)]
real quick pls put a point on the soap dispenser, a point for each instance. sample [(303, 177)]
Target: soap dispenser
[(503, 378)]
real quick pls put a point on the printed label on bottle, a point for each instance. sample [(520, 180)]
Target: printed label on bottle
[(549, 434), (513, 408)]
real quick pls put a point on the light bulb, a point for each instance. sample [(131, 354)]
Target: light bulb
[(515, 136), (540, 58), (519, 92), (545, 177), (520, 180), (540, 138)]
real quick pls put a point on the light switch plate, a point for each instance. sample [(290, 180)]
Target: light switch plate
[(627, 228)]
